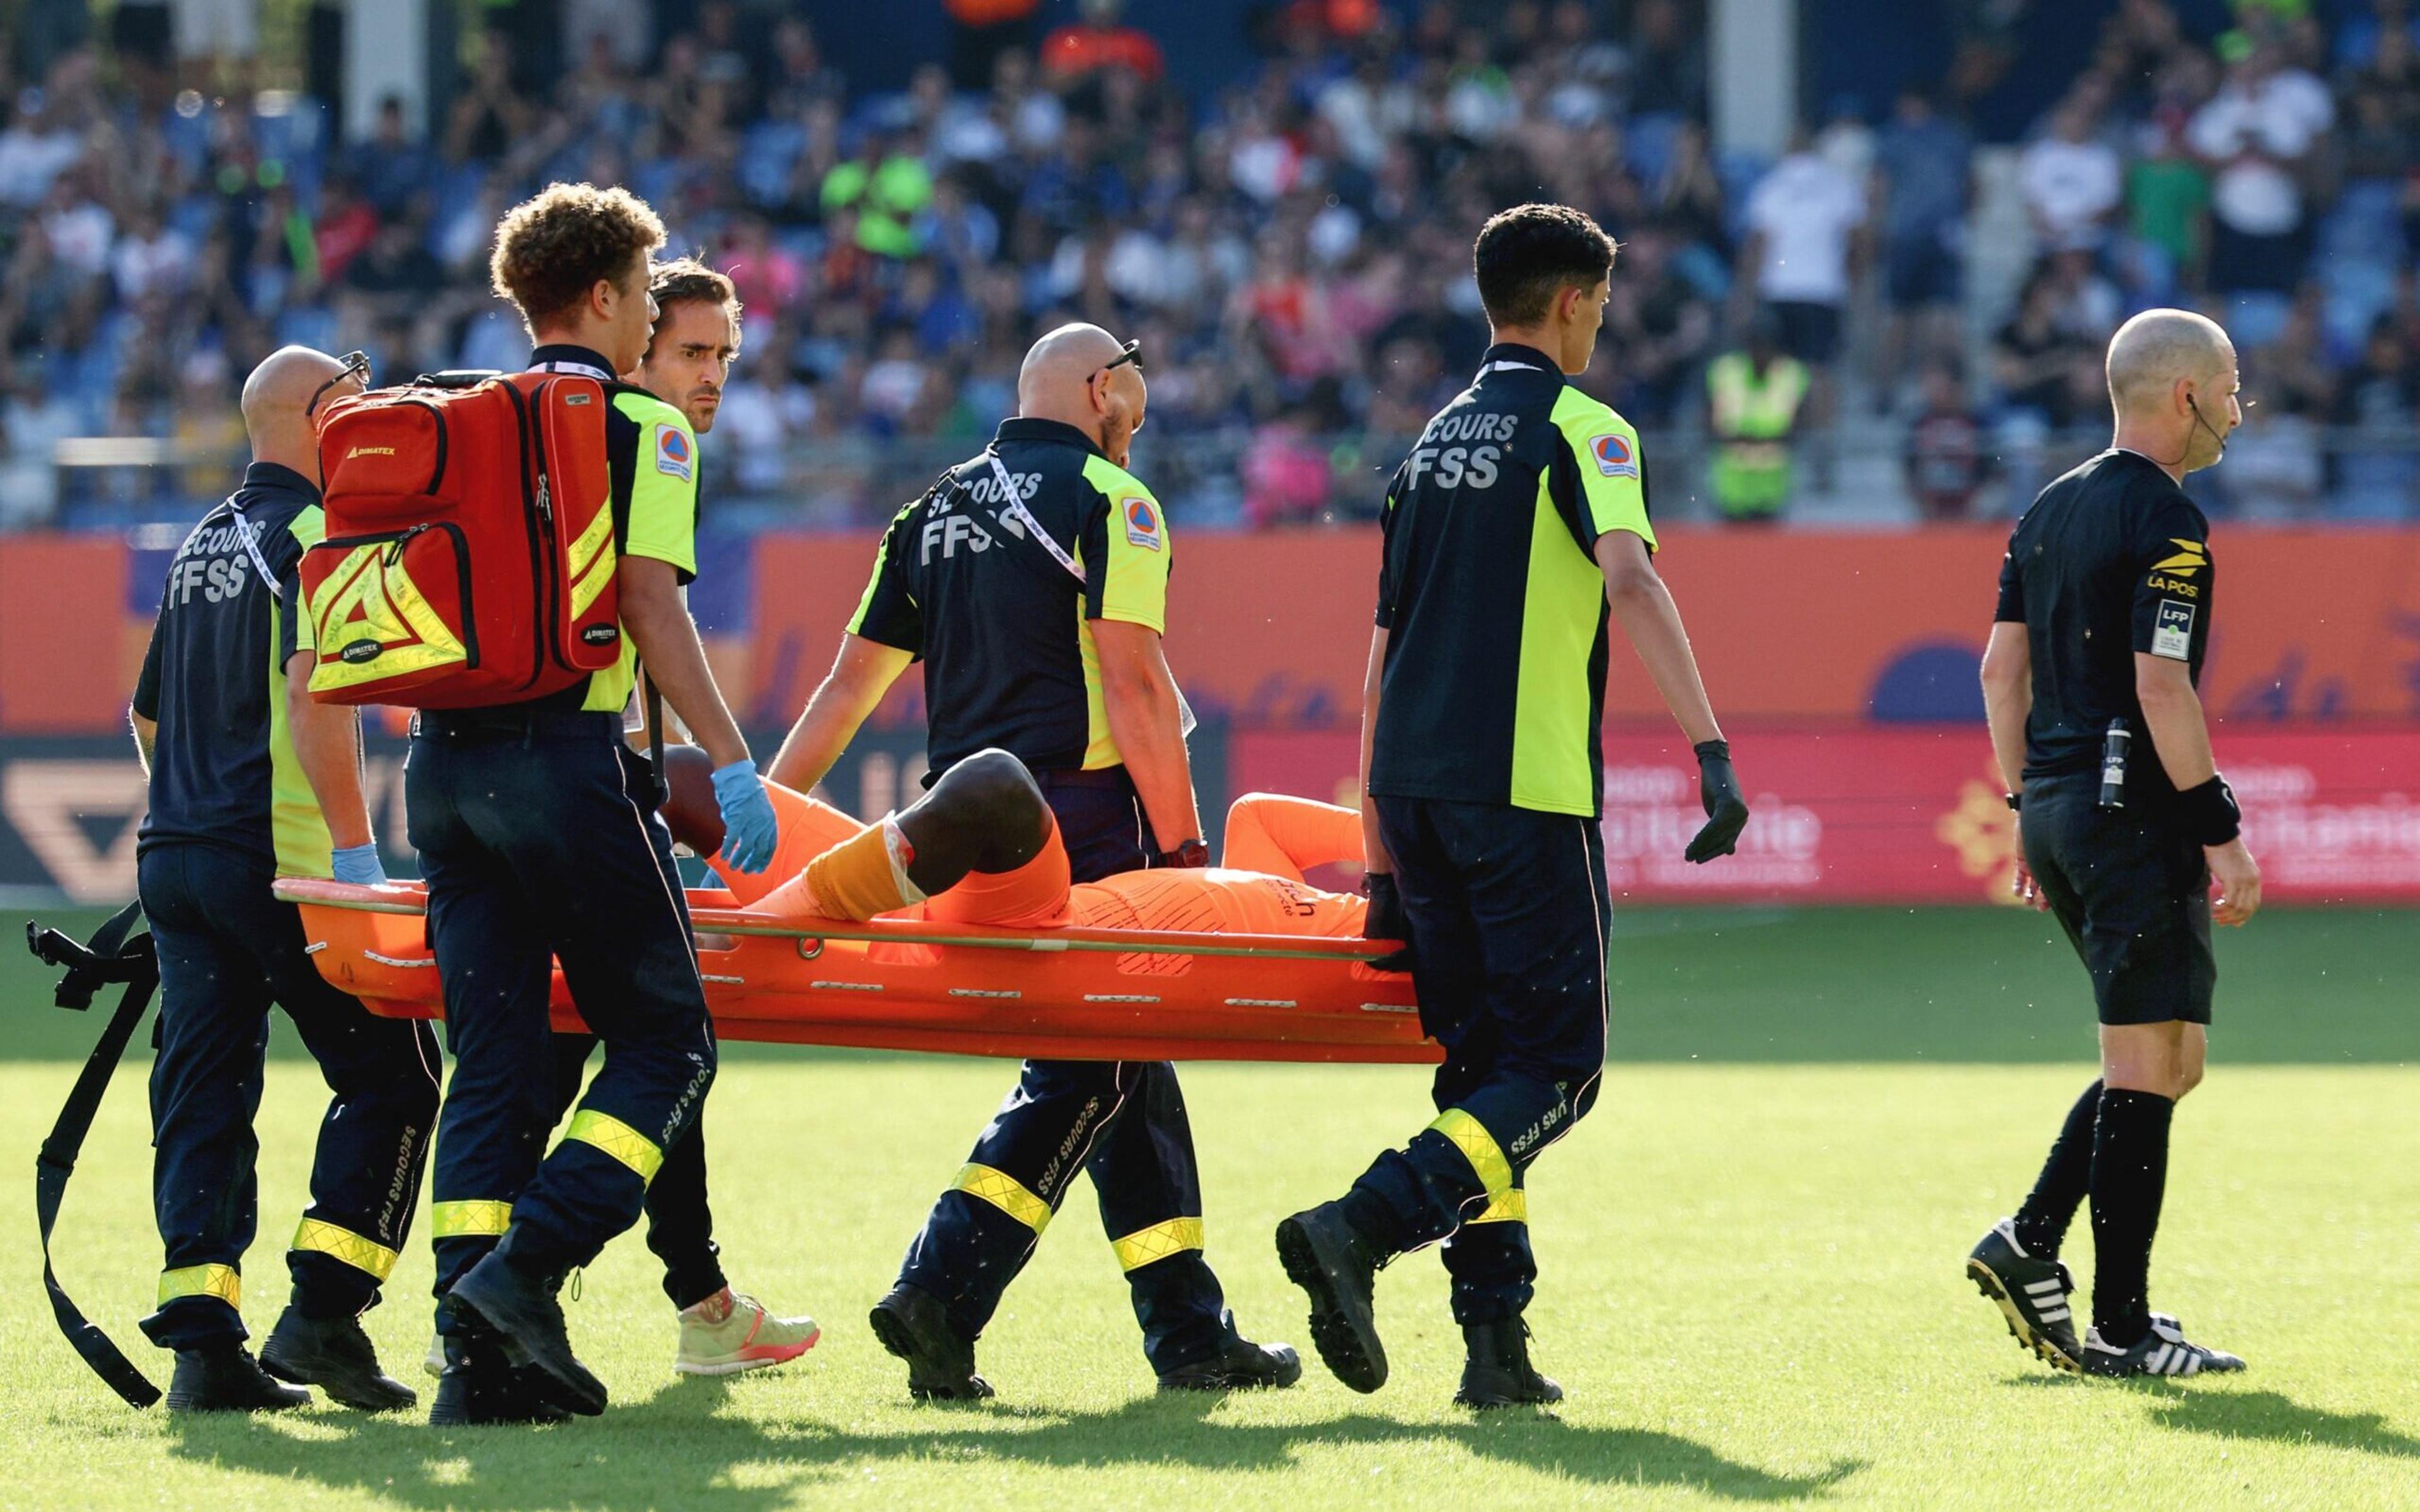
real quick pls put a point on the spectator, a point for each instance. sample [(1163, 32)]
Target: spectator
[(1921, 163), (1805, 219), (2258, 132), (2072, 181), (1096, 41), (150, 258), (2168, 205), (1753, 398), (2033, 358), (2377, 471), (1944, 462), (1657, 329), (391, 167), (34, 150)]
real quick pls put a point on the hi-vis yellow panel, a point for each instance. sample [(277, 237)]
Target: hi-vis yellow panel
[(370, 598)]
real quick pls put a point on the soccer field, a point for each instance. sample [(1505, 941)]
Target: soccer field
[(1752, 1254)]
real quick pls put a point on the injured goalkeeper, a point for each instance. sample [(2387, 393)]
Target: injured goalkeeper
[(982, 848)]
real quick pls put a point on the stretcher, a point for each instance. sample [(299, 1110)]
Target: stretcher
[(1071, 994)]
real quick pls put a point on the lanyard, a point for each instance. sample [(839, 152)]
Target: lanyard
[(252, 549), (580, 369), (1014, 511)]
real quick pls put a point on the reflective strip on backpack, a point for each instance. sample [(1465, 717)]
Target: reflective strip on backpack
[(370, 601), (592, 561)]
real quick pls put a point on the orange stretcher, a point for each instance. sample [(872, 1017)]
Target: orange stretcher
[(1072, 994)]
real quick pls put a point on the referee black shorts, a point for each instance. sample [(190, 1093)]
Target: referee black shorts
[(2133, 895)]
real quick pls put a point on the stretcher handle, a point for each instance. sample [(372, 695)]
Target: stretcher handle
[(410, 900)]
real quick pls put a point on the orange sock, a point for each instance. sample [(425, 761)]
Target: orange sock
[(863, 875)]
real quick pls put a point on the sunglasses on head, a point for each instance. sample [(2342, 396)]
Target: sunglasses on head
[(1131, 352), (356, 365)]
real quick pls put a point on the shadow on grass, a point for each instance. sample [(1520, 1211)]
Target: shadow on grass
[(2266, 1414), (675, 1446)]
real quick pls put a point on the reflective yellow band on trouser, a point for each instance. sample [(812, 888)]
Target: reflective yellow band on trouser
[(1158, 1242), (218, 1281), (642, 1155), (1006, 1192), (468, 1219), (344, 1244), (1477, 1147), (1511, 1208)]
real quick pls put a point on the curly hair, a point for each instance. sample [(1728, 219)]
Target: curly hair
[(684, 279), (552, 247)]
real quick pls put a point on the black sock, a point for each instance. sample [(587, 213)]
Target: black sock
[(2129, 1173), (2065, 1177)]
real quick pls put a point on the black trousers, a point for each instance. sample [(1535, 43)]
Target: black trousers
[(1509, 917), (537, 837), (227, 951), (1122, 1121), (680, 1225)]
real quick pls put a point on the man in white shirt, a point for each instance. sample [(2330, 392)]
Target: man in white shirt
[(2258, 132), (1805, 222), (2070, 181)]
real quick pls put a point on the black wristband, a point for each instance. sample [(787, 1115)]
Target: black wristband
[(2016, 802), (2210, 813), (1191, 854), (1709, 751)]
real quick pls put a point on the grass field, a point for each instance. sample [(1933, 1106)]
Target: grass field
[(1752, 1284)]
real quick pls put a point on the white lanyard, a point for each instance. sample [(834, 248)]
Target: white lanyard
[(581, 369), (1014, 511), (252, 549)]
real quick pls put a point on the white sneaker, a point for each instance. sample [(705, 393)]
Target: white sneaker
[(731, 1332)]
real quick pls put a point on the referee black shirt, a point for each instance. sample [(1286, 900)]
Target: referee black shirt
[(2112, 560)]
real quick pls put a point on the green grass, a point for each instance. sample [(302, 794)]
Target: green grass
[(1751, 1284)]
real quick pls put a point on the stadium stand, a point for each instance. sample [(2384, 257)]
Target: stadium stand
[(1289, 245)]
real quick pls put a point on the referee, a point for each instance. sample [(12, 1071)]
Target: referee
[(251, 780), (2097, 645), (1516, 523), (1033, 581)]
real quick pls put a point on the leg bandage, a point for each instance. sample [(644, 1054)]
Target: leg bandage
[(864, 875)]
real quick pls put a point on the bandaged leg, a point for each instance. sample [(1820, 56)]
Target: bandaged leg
[(862, 877), (807, 828)]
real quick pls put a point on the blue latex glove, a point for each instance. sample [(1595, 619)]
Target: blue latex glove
[(359, 865), (749, 827)]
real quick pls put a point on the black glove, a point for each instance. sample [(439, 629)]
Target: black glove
[(1725, 811), (1385, 921)]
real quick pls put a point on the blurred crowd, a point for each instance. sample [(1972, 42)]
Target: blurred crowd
[(1291, 248)]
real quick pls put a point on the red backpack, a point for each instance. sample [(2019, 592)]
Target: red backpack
[(469, 557)]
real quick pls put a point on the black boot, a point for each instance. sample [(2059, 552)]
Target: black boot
[(334, 1354), (1240, 1364), (1338, 1271), (224, 1378), (912, 1324), (479, 1386), (1498, 1372), (521, 1310)]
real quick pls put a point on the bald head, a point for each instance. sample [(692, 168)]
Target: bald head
[(1059, 366), (273, 399), (2154, 349), (1068, 378)]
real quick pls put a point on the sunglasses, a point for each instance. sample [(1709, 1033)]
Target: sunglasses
[(357, 366), (1131, 352)]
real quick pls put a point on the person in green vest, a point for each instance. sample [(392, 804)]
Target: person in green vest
[(1753, 398)]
